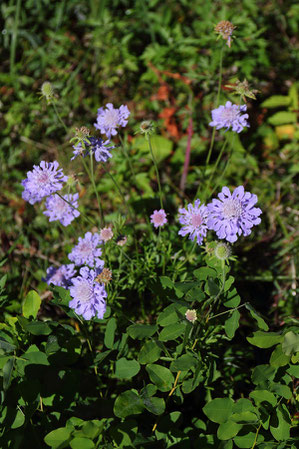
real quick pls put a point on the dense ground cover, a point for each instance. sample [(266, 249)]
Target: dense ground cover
[(147, 373)]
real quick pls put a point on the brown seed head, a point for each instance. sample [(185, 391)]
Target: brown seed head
[(105, 276), (225, 30)]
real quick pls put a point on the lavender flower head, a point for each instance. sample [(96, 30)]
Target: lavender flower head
[(58, 209), (86, 251), (99, 148), (60, 276), (88, 295), (158, 218), (233, 214), (42, 181), (109, 119), (194, 219), (229, 116)]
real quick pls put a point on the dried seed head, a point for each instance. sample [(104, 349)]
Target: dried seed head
[(243, 89), (225, 30), (105, 276), (147, 127)]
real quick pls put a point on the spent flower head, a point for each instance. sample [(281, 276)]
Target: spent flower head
[(110, 119), (158, 218), (64, 209), (106, 234), (121, 240), (233, 214), (194, 219), (225, 29), (229, 116), (104, 277), (191, 315), (147, 127), (42, 181), (88, 295)]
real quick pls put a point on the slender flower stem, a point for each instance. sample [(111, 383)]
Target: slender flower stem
[(91, 177), (81, 213), (14, 38), (217, 102), (188, 148), (227, 311), (124, 150), (58, 116), (156, 168), (215, 167)]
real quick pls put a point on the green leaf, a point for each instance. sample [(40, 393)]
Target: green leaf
[(183, 363), (276, 101), (232, 324), (244, 417), (280, 423), (290, 343), (260, 322), (81, 443), (281, 390), (278, 358), (109, 333), (260, 396), (19, 420), (7, 372), (166, 282), (282, 118), (154, 405), (91, 428), (126, 369), (262, 374), (169, 315), (203, 273), (265, 339), (149, 353), (219, 410), (246, 441), (57, 437), (160, 376), (31, 304), (228, 430), (293, 370), (128, 403), (243, 405), (6, 346), (34, 327), (140, 331), (233, 299), (172, 332)]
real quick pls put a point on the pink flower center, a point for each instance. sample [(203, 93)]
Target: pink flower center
[(196, 220), (83, 292), (111, 118), (159, 218), (86, 248), (43, 178), (232, 209), (229, 114)]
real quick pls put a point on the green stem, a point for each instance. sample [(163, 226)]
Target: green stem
[(91, 177), (214, 168), (156, 168), (58, 116), (124, 150), (256, 435), (14, 38), (217, 102), (227, 311)]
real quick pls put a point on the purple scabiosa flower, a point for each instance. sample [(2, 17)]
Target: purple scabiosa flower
[(194, 219), (88, 295), (229, 116), (233, 214), (60, 276), (58, 209), (100, 149), (109, 119), (158, 218), (42, 181), (87, 251)]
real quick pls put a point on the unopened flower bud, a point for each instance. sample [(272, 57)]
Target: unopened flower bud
[(222, 251), (47, 91)]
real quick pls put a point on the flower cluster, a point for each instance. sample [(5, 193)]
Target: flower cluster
[(97, 146), (229, 116), (64, 209), (88, 295), (158, 218), (109, 119), (42, 181), (229, 216), (86, 252)]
